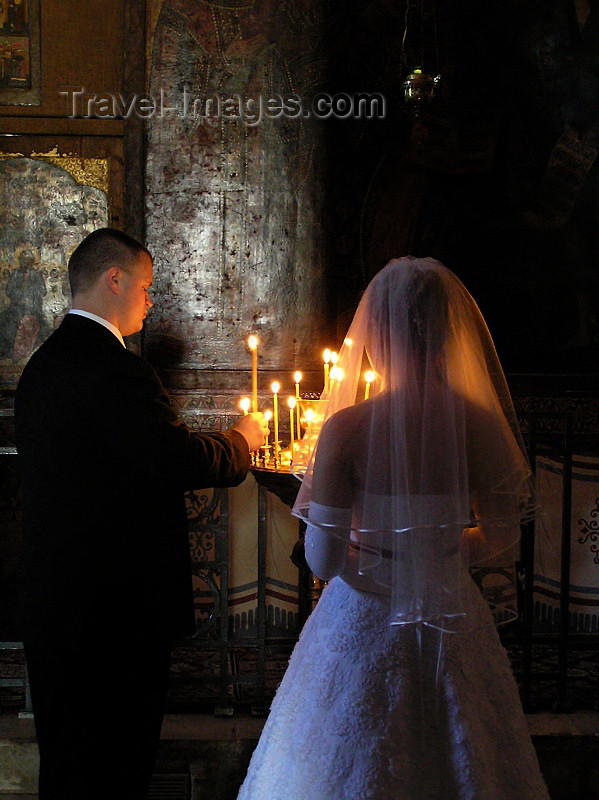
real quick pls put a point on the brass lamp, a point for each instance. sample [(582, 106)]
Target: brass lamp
[(419, 87)]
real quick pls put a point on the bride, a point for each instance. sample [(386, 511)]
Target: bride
[(399, 687)]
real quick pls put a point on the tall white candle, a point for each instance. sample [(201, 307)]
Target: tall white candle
[(275, 406), (297, 378), (253, 345), (292, 403), (369, 377), (327, 359)]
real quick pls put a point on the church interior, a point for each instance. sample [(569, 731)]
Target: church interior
[(273, 157)]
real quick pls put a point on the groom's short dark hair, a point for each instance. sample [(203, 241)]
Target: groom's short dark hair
[(100, 250)]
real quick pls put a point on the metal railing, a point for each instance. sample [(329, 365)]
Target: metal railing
[(240, 665), (544, 655)]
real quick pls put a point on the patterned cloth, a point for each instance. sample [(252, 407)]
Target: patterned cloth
[(584, 548)]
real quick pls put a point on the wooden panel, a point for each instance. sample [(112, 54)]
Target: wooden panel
[(82, 45), (61, 125), (105, 54)]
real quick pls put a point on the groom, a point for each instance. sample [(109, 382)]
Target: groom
[(106, 581)]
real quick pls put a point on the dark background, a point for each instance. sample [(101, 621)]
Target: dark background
[(468, 181)]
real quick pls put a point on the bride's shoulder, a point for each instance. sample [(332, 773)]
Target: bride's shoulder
[(348, 419), (341, 430)]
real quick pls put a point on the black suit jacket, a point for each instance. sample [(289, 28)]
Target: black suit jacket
[(105, 461)]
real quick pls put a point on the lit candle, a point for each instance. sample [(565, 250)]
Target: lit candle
[(292, 403), (244, 404), (334, 372), (327, 359), (369, 377), (297, 378), (253, 345), (275, 405), (337, 374)]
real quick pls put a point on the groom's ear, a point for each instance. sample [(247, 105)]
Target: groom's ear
[(113, 279)]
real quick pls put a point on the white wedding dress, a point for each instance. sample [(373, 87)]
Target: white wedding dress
[(372, 711)]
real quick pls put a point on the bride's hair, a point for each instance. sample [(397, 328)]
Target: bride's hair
[(427, 311), (408, 312)]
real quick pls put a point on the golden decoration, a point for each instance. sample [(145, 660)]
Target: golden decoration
[(85, 171)]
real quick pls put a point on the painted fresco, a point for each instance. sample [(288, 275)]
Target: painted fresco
[(233, 205), (38, 233)]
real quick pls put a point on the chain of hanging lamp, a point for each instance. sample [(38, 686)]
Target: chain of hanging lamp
[(419, 86)]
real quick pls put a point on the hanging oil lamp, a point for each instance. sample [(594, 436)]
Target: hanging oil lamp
[(419, 87)]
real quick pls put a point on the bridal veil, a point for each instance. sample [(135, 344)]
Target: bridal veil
[(423, 470)]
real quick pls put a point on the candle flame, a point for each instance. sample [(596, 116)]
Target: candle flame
[(275, 387), (369, 376), (337, 374), (252, 342), (297, 376), (291, 401), (334, 357), (268, 414), (244, 404), (347, 341), (327, 356)]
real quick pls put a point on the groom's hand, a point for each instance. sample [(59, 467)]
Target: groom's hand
[(254, 427)]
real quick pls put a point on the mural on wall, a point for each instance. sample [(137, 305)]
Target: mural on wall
[(233, 194), (497, 177), (19, 52), (54, 212)]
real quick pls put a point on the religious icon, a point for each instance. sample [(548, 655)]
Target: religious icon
[(59, 207), (19, 52)]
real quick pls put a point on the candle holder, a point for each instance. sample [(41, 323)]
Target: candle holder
[(312, 411), (264, 456), (272, 457)]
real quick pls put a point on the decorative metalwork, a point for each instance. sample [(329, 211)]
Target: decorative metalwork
[(203, 522), (207, 619), (550, 412), (86, 171), (590, 532), (204, 527), (94, 172)]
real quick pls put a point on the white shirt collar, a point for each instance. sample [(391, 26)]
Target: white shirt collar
[(112, 328)]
